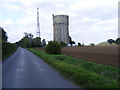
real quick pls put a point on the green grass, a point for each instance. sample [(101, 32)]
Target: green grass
[(82, 73), (102, 70)]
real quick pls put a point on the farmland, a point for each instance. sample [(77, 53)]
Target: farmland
[(106, 55)]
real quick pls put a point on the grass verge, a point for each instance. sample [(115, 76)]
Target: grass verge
[(82, 73)]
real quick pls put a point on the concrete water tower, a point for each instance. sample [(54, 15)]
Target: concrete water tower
[(60, 28)]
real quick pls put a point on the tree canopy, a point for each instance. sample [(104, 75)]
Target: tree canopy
[(71, 42), (28, 41), (4, 35), (110, 41), (118, 41)]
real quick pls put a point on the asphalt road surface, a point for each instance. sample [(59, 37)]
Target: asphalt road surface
[(25, 70)]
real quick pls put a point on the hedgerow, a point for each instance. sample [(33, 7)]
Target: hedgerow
[(7, 49)]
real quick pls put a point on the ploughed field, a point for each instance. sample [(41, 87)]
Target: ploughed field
[(107, 55)]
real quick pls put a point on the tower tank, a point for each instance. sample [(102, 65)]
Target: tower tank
[(60, 28)]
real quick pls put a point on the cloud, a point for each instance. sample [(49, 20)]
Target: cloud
[(87, 4), (9, 22), (11, 7), (91, 21), (27, 20), (93, 30)]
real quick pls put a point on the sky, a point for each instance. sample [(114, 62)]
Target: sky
[(90, 21)]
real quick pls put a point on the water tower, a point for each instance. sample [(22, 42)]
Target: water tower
[(60, 28)]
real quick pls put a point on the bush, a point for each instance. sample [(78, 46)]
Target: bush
[(53, 47), (79, 44)]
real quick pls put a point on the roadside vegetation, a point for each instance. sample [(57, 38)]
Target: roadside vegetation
[(53, 47), (82, 73), (7, 48)]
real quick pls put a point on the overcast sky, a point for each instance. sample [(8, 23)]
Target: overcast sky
[(90, 21)]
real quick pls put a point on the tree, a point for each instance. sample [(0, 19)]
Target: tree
[(53, 47), (4, 35), (79, 44), (26, 41), (71, 42), (117, 41), (110, 41), (37, 42)]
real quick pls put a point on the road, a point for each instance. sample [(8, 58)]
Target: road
[(25, 70)]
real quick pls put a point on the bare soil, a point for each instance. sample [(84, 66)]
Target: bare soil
[(107, 55)]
